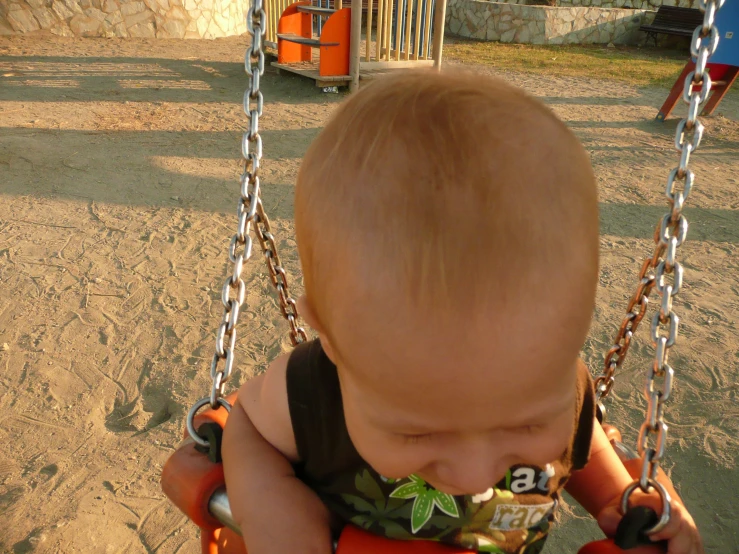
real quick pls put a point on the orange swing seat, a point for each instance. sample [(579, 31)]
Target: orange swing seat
[(191, 480)]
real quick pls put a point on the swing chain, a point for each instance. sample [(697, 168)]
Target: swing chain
[(665, 272), (671, 231), (253, 105), (635, 312), (250, 213), (278, 276)]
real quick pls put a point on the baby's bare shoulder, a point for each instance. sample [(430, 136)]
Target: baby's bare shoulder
[(264, 399)]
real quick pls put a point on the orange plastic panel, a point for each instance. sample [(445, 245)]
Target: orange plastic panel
[(209, 541), (295, 23), (189, 479), (221, 541), (334, 60), (357, 541)]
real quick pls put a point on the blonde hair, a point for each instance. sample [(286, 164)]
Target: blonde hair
[(449, 188)]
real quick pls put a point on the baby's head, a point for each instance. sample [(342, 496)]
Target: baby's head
[(448, 230)]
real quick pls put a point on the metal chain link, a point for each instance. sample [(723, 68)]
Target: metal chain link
[(663, 271), (250, 214), (278, 276)]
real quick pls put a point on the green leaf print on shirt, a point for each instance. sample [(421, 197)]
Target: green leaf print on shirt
[(377, 510), (425, 500), (409, 490), (366, 484), (446, 503)]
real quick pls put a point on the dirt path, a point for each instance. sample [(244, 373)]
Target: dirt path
[(118, 188)]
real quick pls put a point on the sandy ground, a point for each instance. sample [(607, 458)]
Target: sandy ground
[(118, 187)]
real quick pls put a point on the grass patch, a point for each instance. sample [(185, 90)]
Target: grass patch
[(635, 66)]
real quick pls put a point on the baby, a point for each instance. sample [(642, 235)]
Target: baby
[(448, 231)]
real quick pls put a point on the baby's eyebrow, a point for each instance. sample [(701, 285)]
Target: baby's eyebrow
[(541, 418), (404, 427), (412, 429)]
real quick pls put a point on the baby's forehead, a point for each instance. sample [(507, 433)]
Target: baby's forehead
[(420, 354), (456, 399)]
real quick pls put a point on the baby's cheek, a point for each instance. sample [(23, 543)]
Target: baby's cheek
[(393, 467), (389, 460), (557, 449), (547, 447)]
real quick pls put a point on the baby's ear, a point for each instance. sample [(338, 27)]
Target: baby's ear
[(306, 311)]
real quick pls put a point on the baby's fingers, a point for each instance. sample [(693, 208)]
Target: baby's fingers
[(681, 534), (609, 519), (680, 531)]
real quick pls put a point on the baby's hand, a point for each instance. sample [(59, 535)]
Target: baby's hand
[(681, 532)]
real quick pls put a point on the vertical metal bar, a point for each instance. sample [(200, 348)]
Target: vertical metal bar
[(427, 8), (417, 32), (368, 36), (355, 42), (407, 33), (388, 28), (380, 29), (399, 28)]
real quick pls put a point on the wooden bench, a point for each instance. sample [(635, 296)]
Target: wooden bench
[(671, 20)]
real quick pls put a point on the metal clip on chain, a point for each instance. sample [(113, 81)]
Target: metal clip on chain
[(250, 213), (664, 272)]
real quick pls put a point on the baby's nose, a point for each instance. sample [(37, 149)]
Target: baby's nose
[(472, 475)]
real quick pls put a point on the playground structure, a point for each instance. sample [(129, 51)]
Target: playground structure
[(354, 41), (724, 66)]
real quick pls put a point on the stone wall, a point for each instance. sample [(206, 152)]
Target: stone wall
[(523, 24), (633, 4), (125, 18)]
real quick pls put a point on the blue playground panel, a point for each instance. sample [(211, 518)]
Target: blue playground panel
[(400, 11), (727, 21)]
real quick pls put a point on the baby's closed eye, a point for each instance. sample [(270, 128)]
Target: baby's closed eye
[(528, 429), (417, 438)]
